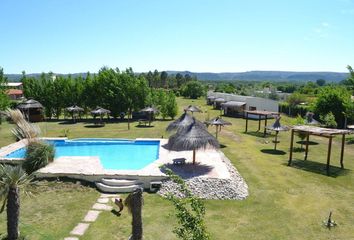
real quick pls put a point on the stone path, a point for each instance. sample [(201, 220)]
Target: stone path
[(92, 215)]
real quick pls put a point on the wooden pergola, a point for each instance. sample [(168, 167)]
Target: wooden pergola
[(322, 132), (260, 114)]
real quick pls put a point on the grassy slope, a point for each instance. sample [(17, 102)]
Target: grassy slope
[(284, 202)]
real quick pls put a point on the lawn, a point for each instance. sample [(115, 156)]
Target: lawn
[(284, 202)]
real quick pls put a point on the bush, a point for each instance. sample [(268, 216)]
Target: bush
[(328, 120), (38, 155), (193, 89)]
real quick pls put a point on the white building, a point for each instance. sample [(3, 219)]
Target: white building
[(235, 105)]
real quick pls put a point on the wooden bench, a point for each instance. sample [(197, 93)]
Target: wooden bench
[(179, 161)]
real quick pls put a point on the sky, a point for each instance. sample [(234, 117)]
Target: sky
[(69, 36)]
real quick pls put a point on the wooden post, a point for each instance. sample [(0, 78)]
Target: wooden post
[(193, 156), (307, 145), (276, 140), (342, 151), (246, 121), (329, 154), (291, 147), (216, 133), (259, 123), (265, 125)]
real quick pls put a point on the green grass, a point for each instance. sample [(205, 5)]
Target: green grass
[(284, 202)]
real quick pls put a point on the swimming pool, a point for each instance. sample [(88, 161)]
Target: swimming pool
[(114, 154)]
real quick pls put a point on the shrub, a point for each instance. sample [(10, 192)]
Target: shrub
[(38, 155), (329, 120)]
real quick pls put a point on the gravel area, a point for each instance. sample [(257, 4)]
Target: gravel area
[(234, 187)]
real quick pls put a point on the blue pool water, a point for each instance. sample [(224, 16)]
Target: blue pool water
[(114, 154)]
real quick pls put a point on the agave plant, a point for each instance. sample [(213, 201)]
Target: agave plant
[(12, 180)]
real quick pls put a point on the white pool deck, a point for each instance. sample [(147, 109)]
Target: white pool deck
[(90, 168)]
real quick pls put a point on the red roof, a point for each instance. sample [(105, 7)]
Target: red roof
[(14, 92)]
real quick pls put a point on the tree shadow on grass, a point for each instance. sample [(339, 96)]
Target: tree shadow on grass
[(188, 170), (273, 151), (318, 168)]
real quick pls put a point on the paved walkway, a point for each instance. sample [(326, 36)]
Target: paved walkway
[(102, 204)]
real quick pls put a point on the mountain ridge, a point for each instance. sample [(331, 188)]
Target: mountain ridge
[(257, 75)]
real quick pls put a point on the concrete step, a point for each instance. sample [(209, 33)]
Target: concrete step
[(119, 182), (117, 189)]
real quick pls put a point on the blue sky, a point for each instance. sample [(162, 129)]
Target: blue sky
[(70, 36)]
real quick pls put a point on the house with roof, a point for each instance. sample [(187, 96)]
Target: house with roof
[(235, 105), (14, 90)]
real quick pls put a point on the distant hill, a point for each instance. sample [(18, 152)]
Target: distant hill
[(277, 76)]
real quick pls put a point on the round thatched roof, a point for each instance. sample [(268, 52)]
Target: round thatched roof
[(30, 104), (74, 109), (192, 138), (100, 111), (218, 121), (183, 122), (149, 110), (277, 126), (192, 108)]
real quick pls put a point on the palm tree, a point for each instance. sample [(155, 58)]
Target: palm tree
[(134, 203), (12, 180)]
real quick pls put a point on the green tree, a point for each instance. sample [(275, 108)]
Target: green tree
[(171, 105), (333, 99), (4, 99), (328, 120), (13, 180), (193, 89), (320, 82)]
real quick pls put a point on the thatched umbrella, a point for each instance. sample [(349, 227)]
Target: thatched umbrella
[(150, 111), (100, 111), (310, 120), (74, 109), (183, 122), (192, 138), (277, 128), (218, 122), (192, 109)]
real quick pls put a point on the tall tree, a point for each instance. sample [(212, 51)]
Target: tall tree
[(4, 100)]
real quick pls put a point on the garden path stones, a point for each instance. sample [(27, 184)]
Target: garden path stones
[(101, 206), (80, 229), (103, 200), (93, 214)]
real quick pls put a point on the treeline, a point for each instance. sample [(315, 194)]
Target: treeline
[(118, 91)]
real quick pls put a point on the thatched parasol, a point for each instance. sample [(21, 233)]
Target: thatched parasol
[(150, 111), (218, 122), (100, 111), (192, 109), (277, 128), (183, 122), (310, 120), (74, 109), (29, 104), (192, 138)]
